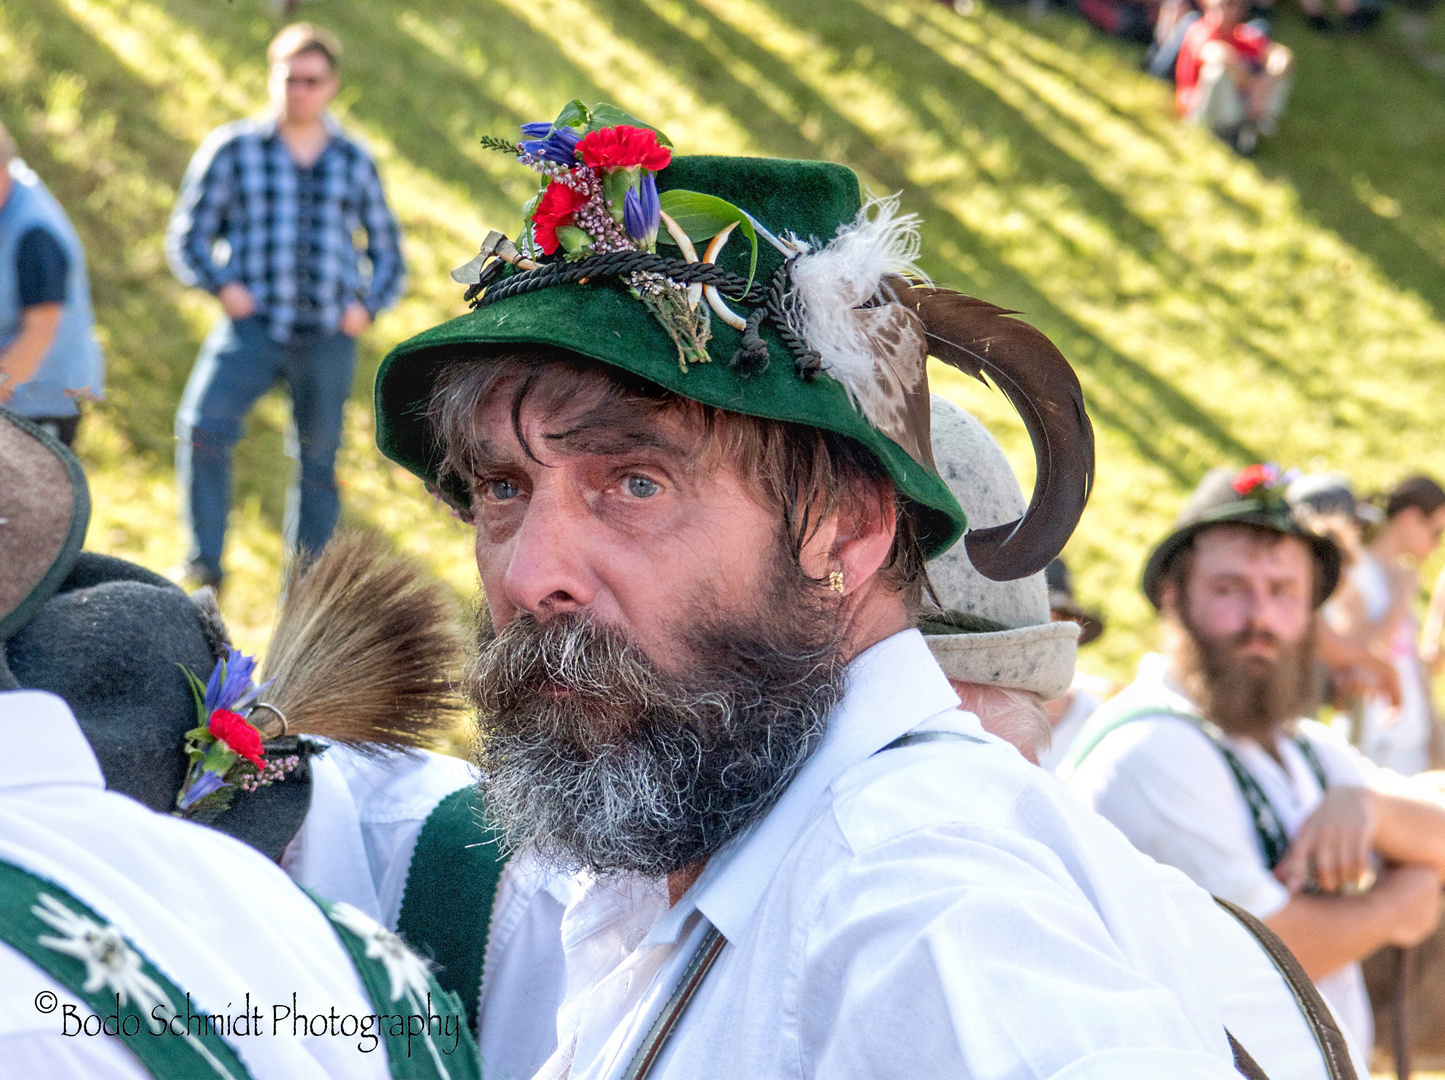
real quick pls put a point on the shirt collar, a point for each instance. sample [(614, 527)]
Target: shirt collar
[(43, 743), (268, 125), (892, 688)]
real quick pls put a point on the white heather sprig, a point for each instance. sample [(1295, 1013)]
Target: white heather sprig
[(274, 771)]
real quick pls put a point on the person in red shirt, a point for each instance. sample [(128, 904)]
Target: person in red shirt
[(1231, 77)]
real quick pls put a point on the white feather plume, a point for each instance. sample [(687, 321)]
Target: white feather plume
[(877, 352)]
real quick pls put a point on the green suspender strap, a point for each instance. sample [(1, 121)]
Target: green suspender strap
[(1273, 840), (99, 965), (423, 1026), (446, 908)]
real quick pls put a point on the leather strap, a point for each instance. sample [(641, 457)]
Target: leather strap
[(1327, 1033), (666, 1023), (1245, 1065)]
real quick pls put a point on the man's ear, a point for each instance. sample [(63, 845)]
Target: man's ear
[(1169, 598), (854, 540)]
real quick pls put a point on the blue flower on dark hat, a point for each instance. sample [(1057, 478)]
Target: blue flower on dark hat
[(230, 679), (208, 783)]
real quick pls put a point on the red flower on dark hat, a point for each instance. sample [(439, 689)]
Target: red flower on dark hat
[(558, 205), (1254, 477), (622, 147), (236, 731)]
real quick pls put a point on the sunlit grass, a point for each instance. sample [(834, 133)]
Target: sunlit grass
[(1217, 310)]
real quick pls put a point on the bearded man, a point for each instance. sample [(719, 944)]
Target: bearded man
[(1205, 762), (701, 532)]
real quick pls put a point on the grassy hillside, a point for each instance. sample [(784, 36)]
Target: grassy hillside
[(1218, 310)]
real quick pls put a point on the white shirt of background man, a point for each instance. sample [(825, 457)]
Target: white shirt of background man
[(1169, 790), (215, 915), (943, 909)]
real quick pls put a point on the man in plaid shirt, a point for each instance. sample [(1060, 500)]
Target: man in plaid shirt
[(265, 222)]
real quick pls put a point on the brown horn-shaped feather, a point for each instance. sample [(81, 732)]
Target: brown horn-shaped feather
[(364, 650), (980, 338)]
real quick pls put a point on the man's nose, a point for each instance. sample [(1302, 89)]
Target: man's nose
[(548, 572)]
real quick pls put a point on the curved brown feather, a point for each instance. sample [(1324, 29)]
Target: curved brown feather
[(979, 338)]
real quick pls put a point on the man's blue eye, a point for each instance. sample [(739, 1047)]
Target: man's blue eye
[(502, 489), (640, 487)]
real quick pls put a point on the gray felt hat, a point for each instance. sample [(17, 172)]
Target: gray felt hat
[(998, 633), (44, 512)]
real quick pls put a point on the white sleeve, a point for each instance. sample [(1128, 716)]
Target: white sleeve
[(1167, 788), (34, 1045), (991, 962), (38, 1056)]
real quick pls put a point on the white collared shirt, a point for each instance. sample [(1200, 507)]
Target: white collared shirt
[(943, 909), (216, 916), (1170, 791)]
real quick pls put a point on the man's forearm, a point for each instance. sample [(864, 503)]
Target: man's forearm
[(1327, 932), (21, 358), (1410, 822)]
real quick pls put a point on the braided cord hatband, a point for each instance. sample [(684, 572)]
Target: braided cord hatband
[(769, 302)]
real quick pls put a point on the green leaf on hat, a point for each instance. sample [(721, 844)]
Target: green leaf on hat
[(573, 114), (605, 116), (702, 217), (220, 758)]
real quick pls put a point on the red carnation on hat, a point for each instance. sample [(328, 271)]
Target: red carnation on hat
[(1255, 476), (557, 206), (236, 731), (623, 147)]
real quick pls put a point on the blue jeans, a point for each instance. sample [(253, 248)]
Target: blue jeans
[(238, 363)]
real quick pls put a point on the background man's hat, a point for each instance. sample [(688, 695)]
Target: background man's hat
[(1063, 605), (1251, 496), (44, 512), (998, 633), (846, 274), (1330, 494)]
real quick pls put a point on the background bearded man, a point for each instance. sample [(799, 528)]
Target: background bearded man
[(700, 687), (1205, 763)]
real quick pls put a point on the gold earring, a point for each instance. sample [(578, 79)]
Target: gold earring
[(835, 581)]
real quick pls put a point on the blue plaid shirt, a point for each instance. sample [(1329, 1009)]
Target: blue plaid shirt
[(283, 231)]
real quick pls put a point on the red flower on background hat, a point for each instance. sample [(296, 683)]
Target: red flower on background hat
[(1254, 477), (624, 147), (558, 205), (236, 732)]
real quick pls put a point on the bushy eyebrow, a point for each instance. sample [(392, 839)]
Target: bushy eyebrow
[(602, 432)]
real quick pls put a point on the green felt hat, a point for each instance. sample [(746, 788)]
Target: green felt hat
[(601, 321)]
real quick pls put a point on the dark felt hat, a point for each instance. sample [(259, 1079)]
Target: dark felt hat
[(1251, 496), (112, 641), (44, 512)]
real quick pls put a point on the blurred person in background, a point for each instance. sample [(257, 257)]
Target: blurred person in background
[(1353, 671), (49, 356), (1230, 77), (1086, 692), (265, 222), (1206, 762), (1373, 609)]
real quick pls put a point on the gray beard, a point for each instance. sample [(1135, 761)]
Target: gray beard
[(594, 758)]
